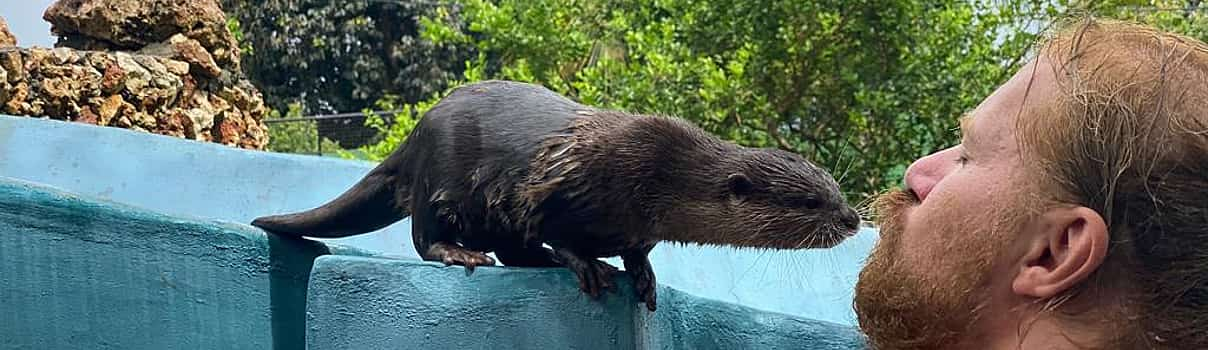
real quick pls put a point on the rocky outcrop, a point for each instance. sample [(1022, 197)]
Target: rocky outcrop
[(132, 25), (139, 92), (163, 66), (6, 37)]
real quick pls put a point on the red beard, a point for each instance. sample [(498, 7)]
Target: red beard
[(897, 307)]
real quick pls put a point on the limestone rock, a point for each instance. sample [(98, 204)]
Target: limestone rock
[(109, 107), (6, 37), (132, 25), (187, 50), (12, 62), (162, 66), (139, 92)]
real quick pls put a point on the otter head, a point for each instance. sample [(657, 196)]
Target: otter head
[(771, 198)]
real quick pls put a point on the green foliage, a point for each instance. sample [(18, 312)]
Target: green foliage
[(236, 30), (295, 137), (394, 131), (1171, 15), (407, 115), (339, 56), (860, 87)]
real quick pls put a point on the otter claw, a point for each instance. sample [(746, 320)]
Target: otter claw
[(468, 258), (644, 285), (596, 276), (643, 279)]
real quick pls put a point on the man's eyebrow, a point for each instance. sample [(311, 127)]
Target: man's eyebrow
[(966, 122)]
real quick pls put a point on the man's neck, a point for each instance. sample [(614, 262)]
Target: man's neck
[(1039, 333)]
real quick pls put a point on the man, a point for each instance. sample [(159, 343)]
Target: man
[(1073, 214)]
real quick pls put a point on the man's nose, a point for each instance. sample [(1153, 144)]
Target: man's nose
[(925, 173)]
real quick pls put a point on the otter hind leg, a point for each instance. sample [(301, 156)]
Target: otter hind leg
[(435, 239)]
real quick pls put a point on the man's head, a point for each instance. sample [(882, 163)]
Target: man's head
[(1076, 206)]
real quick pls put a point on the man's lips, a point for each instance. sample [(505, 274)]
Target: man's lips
[(914, 198)]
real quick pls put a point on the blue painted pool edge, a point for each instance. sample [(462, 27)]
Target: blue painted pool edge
[(373, 303), (78, 273), (185, 178), (192, 179), (239, 283)]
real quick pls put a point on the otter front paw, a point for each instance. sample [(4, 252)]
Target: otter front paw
[(456, 255), (597, 277), (643, 283), (594, 275)]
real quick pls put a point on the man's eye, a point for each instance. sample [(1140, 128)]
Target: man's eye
[(962, 159)]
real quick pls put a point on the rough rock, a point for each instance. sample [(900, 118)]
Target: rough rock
[(162, 66), (185, 49), (139, 92), (6, 37), (132, 25)]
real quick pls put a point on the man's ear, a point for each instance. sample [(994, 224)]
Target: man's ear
[(1070, 244)]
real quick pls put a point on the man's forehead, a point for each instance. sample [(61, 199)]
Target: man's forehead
[(1031, 86)]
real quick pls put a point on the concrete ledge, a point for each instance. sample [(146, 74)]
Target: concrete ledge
[(371, 303), (368, 303), (691, 322), (207, 180), (81, 273)]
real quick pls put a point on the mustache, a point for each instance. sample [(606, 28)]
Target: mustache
[(890, 205)]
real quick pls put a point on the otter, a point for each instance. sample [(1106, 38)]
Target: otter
[(542, 181)]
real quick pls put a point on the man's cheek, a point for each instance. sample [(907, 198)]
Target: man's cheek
[(923, 242), (909, 249)]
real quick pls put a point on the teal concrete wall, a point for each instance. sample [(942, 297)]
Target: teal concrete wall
[(367, 303), (78, 272), (370, 303), (205, 181), (81, 273)]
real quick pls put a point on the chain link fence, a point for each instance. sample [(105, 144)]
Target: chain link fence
[(325, 135)]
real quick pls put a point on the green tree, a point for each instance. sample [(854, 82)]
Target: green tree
[(295, 136), (1180, 16), (860, 87), (340, 56)]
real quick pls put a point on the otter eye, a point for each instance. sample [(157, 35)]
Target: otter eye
[(739, 183), (809, 203)]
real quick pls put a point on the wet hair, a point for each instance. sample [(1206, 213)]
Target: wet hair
[(1127, 136)]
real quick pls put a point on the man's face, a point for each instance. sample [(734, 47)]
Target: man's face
[(934, 269)]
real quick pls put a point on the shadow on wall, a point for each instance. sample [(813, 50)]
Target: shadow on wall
[(207, 181)]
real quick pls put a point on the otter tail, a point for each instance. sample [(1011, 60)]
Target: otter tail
[(369, 205)]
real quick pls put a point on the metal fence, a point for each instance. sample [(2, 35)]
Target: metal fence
[(324, 134)]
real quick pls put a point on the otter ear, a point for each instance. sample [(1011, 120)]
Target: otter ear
[(739, 184)]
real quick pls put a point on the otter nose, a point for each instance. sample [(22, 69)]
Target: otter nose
[(849, 218), (922, 176)]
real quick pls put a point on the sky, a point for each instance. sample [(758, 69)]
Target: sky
[(25, 21)]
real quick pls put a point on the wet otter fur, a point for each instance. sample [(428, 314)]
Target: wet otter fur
[(505, 167)]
